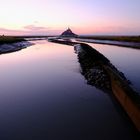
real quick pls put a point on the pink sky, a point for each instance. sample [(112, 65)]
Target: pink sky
[(44, 17)]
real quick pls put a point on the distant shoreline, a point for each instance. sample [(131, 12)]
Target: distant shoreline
[(113, 38), (123, 41), (131, 42)]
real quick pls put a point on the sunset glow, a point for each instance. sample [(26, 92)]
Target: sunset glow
[(48, 17)]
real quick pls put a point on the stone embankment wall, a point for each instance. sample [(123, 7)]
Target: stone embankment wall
[(62, 41), (99, 72), (91, 67), (126, 96)]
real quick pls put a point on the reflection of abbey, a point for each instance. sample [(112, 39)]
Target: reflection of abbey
[(68, 33)]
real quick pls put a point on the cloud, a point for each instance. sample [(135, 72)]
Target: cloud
[(36, 28), (31, 30), (40, 30)]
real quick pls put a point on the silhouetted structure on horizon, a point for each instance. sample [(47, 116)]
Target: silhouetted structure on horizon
[(68, 33)]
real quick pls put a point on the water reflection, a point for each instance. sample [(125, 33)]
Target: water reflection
[(43, 98)]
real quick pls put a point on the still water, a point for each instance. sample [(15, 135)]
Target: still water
[(43, 96), (127, 60)]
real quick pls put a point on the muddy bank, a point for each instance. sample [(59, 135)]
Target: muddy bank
[(12, 47)]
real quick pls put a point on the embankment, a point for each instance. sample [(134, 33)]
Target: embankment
[(128, 98), (98, 70), (62, 41)]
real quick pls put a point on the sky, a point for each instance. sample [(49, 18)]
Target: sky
[(51, 17)]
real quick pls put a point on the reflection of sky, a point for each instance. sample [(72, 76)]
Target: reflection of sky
[(43, 97), (53, 16)]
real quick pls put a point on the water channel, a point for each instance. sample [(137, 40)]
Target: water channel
[(43, 96)]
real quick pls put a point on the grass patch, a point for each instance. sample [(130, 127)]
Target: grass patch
[(10, 39)]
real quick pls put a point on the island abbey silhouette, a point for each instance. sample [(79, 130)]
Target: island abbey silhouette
[(68, 33)]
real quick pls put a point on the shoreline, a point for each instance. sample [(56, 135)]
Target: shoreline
[(133, 45), (9, 44), (13, 47)]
